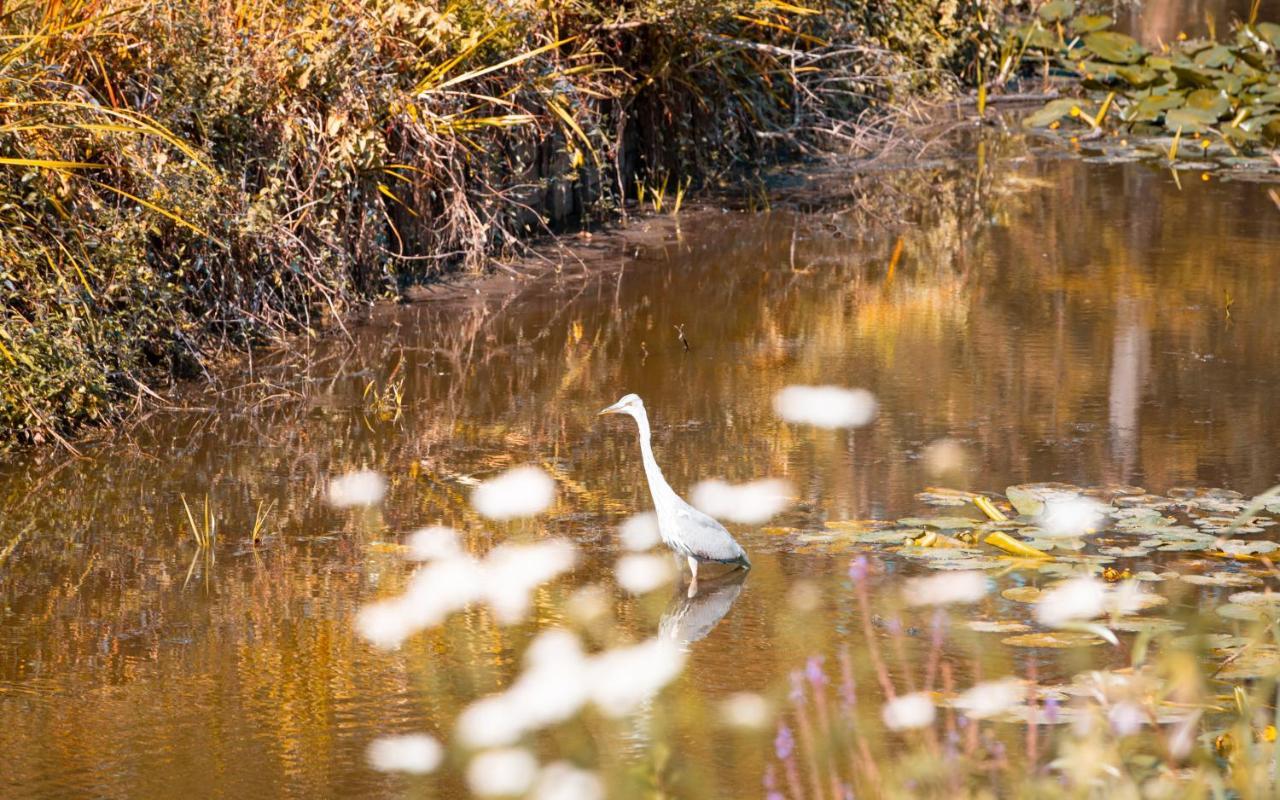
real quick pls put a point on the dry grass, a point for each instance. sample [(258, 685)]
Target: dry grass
[(181, 179)]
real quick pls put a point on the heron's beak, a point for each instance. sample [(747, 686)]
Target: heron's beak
[(613, 409)]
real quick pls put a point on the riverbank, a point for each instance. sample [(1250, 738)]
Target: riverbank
[(181, 184)]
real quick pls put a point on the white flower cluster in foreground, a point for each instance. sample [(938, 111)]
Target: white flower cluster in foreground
[(908, 711), (990, 698), (415, 753), (946, 588), (825, 406), (520, 492), (1085, 598), (559, 679), (494, 773), (1072, 517), (747, 503), (362, 488), (452, 580)]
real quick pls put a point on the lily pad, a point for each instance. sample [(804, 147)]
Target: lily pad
[(996, 626), (1057, 10), (1114, 47), (1053, 111), (1223, 578), (1189, 120), (1088, 23), (1210, 101), (1054, 639), (1023, 594)]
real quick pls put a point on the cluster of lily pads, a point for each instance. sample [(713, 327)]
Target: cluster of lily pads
[(1223, 95), (1057, 532)]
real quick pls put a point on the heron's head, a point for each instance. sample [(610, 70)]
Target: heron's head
[(630, 404)]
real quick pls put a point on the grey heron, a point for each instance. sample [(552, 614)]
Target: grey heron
[(683, 528)]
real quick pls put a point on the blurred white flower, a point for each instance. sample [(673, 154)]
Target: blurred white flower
[(416, 753), (1070, 601), (559, 679), (639, 532), (589, 603), (908, 711), (623, 678), (504, 580), (427, 544), (943, 457), (385, 624), (561, 780), (643, 572), (512, 571), (747, 503), (1127, 597), (520, 492), (552, 688), (1071, 517), (825, 406), (990, 698), (746, 710), (945, 588), (491, 721), (363, 488), (502, 773), (1126, 718)]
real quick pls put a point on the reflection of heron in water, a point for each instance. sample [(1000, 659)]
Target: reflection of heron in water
[(683, 528), (689, 619)]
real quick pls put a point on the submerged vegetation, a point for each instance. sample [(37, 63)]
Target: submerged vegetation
[(186, 179)]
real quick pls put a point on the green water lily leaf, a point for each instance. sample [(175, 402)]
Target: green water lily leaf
[(1054, 639), (1037, 36), (1258, 661), (1242, 547), (1239, 612), (940, 523), (1189, 120), (1139, 624), (1114, 47), (1053, 111), (1023, 594), (1138, 76), (1223, 578), (1088, 23), (1057, 10), (996, 626), (1190, 75), (1255, 598), (1270, 32), (1215, 57), (1210, 102)]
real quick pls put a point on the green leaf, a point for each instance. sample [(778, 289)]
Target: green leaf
[(1209, 101), (1114, 47), (1057, 10), (1190, 120), (1088, 23), (1052, 111)]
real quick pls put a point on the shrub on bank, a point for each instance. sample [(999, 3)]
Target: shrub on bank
[(183, 179)]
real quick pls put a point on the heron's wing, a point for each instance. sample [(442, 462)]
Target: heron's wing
[(704, 537)]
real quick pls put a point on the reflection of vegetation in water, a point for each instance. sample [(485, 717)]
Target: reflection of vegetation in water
[(1030, 310)]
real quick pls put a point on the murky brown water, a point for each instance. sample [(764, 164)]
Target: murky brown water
[(1062, 320)]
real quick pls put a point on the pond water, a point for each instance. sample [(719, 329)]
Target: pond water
[(1058, 320)]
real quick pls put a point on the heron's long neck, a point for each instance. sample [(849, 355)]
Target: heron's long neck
[(658, 485)]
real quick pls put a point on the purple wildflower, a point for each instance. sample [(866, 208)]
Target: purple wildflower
[(1051, 710), (785, 744), (814, 672), (859, 569)]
